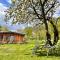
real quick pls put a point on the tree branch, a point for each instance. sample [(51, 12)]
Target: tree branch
[(41, 2), (35, 10), (50, 8), (36, 13), (44, 2)]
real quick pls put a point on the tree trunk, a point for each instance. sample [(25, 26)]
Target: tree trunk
[(56, 34), (48, 36)]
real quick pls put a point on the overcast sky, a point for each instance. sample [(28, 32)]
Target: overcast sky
[(4, 4)]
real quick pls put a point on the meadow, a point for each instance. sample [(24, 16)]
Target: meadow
[(21, 52)]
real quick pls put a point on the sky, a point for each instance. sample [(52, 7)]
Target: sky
[(4, 5)]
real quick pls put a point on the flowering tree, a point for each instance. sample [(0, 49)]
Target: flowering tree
[(35, 12)]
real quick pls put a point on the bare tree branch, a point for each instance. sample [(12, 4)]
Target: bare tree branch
[(44, 2), (41, 2), (36, 13), (50, 8)]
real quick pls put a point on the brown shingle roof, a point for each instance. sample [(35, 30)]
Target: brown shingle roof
[(12, 33)]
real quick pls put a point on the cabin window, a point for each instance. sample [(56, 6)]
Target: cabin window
[(1, 38), (7, 38), (11, 39)]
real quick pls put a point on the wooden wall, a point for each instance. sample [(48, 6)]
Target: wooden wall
[(17, 38)]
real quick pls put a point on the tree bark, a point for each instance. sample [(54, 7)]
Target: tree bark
[(48, 36), (56, 34)]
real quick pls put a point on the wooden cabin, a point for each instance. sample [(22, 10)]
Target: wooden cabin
[(11, 37)]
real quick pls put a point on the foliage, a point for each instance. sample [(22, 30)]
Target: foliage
[(35, 12), (39, 31), (3, 28), (28, 31), (23, 11)]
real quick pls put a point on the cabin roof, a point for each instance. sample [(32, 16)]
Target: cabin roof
[(19, 33)]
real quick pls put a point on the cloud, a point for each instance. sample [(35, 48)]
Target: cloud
[(9, 1), (2, 9), (57, 13), (2, 13)]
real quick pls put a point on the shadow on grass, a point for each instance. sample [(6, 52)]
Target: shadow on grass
[(43, 54)]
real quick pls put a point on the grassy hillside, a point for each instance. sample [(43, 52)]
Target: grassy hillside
[(21, 52)]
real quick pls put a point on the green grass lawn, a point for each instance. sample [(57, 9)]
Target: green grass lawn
[(21, 52)]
